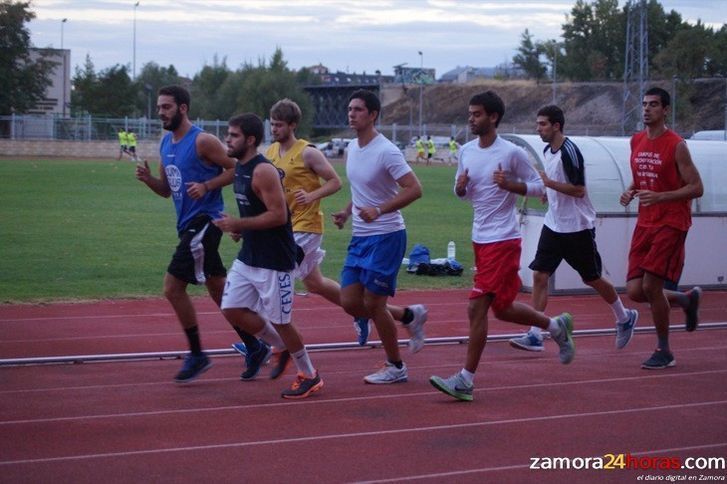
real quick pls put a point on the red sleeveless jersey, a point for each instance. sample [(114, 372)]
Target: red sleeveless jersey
[(654, 167)]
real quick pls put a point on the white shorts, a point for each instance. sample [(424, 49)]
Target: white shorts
[(267, 292), (311, 245)]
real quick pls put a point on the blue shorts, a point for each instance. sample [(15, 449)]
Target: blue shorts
[(374, 262)]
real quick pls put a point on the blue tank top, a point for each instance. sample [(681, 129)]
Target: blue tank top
[(272, 248), (182, 165)]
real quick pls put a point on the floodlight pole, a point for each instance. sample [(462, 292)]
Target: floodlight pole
[(421, 90), (63, 54), (674, 103), (133, 72)]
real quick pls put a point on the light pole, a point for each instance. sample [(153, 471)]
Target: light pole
[(555, 71), (673, 103), (63, 109), (133, 72), (421, 89)]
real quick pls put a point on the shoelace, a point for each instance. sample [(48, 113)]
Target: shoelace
[(298, 380)]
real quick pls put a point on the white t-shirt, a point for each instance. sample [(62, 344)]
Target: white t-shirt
[(495, 218), (567, 214), (372, 173)]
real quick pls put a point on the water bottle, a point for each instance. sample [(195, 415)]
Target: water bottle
[(451, 250)]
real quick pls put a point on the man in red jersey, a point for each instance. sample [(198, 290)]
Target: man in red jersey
[(665, 181)]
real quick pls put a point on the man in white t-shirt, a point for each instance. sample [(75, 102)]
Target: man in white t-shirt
[(490, 172), (382, 183), (569, 231)]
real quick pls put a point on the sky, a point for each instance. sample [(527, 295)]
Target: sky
[(344, 35)]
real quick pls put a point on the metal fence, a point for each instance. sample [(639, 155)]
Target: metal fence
[(89, 128)]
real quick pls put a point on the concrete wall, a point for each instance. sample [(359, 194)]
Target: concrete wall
[(73, 149)]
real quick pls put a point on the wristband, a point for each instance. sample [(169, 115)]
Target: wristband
[(378, 210), (206, 188)]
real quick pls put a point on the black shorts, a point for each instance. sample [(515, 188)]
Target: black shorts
[(577, 248), (197, 256)]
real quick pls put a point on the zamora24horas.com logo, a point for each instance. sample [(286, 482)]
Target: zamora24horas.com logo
[(631, 462)]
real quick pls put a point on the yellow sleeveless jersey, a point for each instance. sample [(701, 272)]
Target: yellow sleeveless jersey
[(306, 218)]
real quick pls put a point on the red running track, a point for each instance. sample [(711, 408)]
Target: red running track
[(127, 422)]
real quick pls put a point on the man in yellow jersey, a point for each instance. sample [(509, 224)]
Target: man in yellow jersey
[(420, 150), (431, 150), (453, 147), (131, 144), (123, 142)]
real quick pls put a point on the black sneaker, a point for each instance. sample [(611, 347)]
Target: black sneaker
[(659, 360), (281, 362), (302, 386), (194, 366), (255, 360), (692, 309)]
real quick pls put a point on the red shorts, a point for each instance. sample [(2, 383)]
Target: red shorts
[(658, 251), (497, 265)]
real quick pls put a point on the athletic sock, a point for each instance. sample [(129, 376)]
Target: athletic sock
[(554, 328), (251, 342), (399, 364), (303, 363), (682, 299), (468, 376), (408, 316), (619, 310), (270, 336), (195, 346)]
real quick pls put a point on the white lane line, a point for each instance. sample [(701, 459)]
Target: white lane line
[(319, 401), (356, 435)]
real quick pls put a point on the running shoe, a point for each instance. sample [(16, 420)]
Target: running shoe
[(530, 341), (194, 366), (625, 330), (280, 363), (454, 386), (659, 360), (302, 387), (416, 327), (692, 309), (255, 360), (389, 373), (565, 338), (363, 328)]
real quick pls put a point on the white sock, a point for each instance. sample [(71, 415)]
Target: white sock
[(554, 328), (536, 331), (271, 337), (467, 376), (303, 363), (619, 311)]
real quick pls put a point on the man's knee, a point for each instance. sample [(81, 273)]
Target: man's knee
[(635, 290)]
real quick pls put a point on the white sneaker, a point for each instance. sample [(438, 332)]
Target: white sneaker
[(416, 327), (388, 374)]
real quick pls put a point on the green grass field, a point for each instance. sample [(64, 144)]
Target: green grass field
[(73, 230)]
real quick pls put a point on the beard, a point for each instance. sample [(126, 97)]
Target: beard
[(174, 122), (238, 153)]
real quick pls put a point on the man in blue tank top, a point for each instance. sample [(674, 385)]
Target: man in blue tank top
[(194, 167), (260, 284)]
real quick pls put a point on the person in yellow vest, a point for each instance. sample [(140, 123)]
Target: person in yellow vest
[(453, 147), (431, 150), (123, 142), (420, 150), (131, 145)]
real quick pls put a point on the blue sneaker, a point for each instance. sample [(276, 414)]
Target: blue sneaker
[(193, 367), (255, 360), (363, 328), (240, 348), (528, 342), (659, 360), (625, 330), (454, 386)]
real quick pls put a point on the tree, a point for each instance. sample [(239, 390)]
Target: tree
[(687, 55), (528, 57), (23, 80), (148, 82), (107, 93), (207, 100)]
